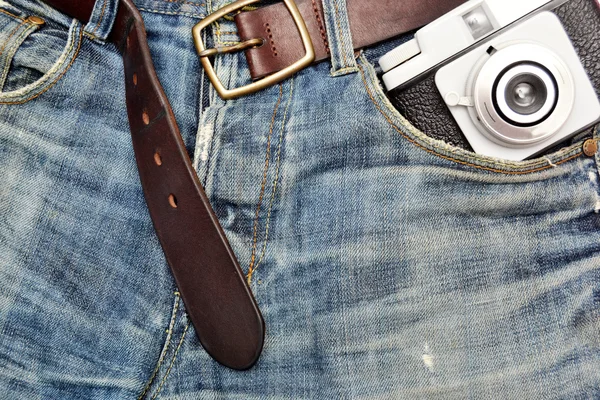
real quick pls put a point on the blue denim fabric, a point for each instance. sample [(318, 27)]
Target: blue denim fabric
[(387, 265)]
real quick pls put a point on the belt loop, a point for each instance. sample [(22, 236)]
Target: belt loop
[(340, 38), (102, 19)]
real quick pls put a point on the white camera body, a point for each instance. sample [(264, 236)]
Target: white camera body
[(476, 87), (450, 34), (507, 71)]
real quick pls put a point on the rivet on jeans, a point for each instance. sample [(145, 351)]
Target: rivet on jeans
[(590, 147), (36, 20)]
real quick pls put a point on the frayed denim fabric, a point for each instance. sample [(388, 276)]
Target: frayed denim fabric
[(387, 265)]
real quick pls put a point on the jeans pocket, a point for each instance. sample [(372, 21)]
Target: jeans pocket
[(34, 53), (448, 152), (14, 29)]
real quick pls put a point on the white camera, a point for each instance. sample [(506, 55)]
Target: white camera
[(514, 85)]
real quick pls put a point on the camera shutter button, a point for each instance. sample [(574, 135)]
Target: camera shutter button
[(590, 147)]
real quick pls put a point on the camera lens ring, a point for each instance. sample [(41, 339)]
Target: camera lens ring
[(482, 89), (525, 94)]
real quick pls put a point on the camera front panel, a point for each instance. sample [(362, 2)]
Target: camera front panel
[(520, 93)]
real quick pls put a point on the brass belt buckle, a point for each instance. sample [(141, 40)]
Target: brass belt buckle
[(270, 80)]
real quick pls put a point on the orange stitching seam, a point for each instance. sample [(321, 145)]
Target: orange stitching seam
[(187, 2), (10, 36), (388, 119), (101, 16), (166, 347), (275, 181), (185, 14), (6, 68), (340, 34), (164, 379), (11, 14), (263, 185), (56, 80)]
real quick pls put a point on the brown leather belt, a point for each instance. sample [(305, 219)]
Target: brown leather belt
[(283, 38), (371, 21), (218, 301)]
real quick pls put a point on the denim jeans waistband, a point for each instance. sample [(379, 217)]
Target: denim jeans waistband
[(224, 32)]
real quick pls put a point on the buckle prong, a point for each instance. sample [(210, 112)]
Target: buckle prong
[(270, 80), (247, 44)]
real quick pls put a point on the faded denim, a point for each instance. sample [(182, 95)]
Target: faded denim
[(387, 265)]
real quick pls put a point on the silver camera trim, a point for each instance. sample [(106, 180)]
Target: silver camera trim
[(482, 85), (551, 93)]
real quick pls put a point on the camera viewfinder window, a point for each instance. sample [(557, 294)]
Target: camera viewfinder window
[(478, 22)]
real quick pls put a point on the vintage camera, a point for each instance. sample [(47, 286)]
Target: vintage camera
[(508, 73)]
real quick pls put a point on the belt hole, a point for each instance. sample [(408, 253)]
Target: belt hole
[(134, 79), (145, 117), (173, 200), (157, 159)]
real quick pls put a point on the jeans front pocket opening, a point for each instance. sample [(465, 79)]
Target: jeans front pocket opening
[(56, 72), (15, 38), (449, 152)]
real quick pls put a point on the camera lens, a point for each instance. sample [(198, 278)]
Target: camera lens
[(525, 94), (522, 93)]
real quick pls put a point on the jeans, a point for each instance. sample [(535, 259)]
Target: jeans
[(387, 264)]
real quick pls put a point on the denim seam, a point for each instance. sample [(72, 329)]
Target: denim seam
[(263, 186), (339, 32), (10, 35), (275, 181), (228, 43), (186, 2), (41, 86), (347, 69), (164, 379), (343, 61), (100, 18), (12, 50), (15, 45), (163, 353), (526, 169), (185, 14), (11, 15), (91, 36)]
